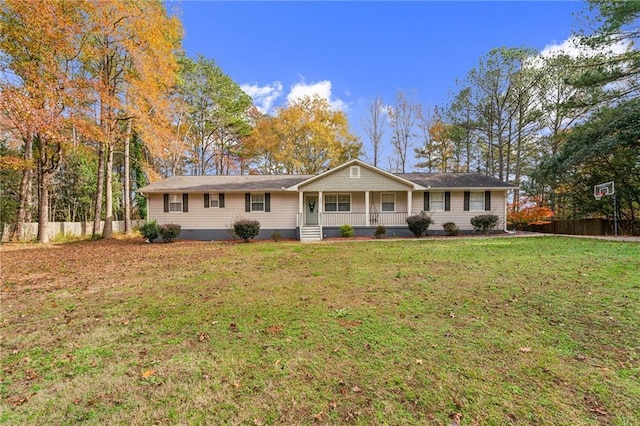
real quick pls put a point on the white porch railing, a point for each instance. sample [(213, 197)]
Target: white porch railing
[(359, 219), (388, 218)]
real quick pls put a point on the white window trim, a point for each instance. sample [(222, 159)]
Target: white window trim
[(476, 209), (431, 207), (175, 196), (394, 202), (263, 202), (214, 196), (337, 203), (354, 172)]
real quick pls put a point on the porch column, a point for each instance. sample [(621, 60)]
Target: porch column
[(409, 202), (300, 219), (366, 209), (320, 208)]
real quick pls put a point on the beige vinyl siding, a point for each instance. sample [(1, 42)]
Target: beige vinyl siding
[(457, 214), (284, 206), (340, 181)]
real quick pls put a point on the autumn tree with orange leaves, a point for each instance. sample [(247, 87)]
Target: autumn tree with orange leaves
[(305, 137), (131, 62), (42, 89), (528, 211)]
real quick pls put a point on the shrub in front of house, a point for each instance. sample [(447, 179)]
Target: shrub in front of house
[(169, 232), (451, 229), (380, 231), (347, 231), (150, 230), (276, 236), (419, 224), (246, 229), (484, 223)]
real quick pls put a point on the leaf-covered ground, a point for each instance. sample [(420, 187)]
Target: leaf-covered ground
[(461, 331)]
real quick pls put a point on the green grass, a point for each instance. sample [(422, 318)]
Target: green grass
[(484, 330)]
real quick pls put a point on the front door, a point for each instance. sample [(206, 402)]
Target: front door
[(311, 209)]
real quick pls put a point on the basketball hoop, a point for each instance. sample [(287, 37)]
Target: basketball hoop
[(603, 189)]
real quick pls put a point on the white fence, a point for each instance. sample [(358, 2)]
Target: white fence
[(76, 229)]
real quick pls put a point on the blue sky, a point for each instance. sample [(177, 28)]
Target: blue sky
[(353, 52)]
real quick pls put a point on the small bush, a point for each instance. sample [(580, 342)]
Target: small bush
[(380, 231), (419, 224), (246, 229), (347, 231), (451, 229), (150, 230), (484, 223), (276, 236), (170, 232)]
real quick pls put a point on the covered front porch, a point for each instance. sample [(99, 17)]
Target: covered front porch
[(320, 212)]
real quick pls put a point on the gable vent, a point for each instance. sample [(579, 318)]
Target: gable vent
[(354, 172)]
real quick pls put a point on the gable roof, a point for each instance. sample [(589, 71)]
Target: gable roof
[(226, 183), (242, 183), (396, 177)]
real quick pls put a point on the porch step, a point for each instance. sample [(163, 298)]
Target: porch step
[(310, 233)]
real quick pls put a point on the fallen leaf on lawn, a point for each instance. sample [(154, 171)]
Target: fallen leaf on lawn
[(419, 361), (455, 418), (274, 329), (356, 389), (525, 350), (233, 327), (148, 374), (203, 336)]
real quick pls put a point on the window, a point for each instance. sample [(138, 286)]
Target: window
[(476, 201), (337, 203), (388, 202), (354, 172), (437, 201), (214, 200), (257, 202), (175, 202)]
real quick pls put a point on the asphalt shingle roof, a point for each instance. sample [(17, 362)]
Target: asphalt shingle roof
[(280, 182), (226, 183), (454, 180)]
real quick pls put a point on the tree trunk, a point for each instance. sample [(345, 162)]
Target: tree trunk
[(98, 200), (25, 185), (107, 232), (43, 205), (127, 181)]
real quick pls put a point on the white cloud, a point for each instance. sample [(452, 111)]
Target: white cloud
[(573, 48), (321, 88), (264, 97)]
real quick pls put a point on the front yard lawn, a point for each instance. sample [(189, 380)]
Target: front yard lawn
[(498, 330)]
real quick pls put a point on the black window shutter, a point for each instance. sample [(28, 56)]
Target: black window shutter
[(221, 202), (467, 196), (247, 202), (206, 201), (427, 196), (267, 202), (166, 203), (185, 203), (447, 201), (487, 200)]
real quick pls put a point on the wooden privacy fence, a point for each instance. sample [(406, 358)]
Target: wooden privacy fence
[(75, 229), (595, 226)]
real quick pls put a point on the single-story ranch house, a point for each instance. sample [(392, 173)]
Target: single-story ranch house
[(313, 207)]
